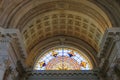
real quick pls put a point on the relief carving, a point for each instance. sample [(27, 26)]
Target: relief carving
[(4, 62)]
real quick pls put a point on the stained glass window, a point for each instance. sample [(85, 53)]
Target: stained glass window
[(63, 59)]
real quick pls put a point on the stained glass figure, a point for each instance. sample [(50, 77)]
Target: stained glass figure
[(42, 64), (83, 64), (71, 54), (54, 54)]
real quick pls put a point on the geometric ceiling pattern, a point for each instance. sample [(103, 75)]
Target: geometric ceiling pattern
[(63, 23)]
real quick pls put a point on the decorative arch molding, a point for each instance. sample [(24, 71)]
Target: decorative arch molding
[(58, 41), (112, 10), (29, 5)]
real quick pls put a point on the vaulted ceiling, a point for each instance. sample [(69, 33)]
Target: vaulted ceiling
[(39, 20)]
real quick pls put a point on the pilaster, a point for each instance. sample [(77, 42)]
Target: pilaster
[(110, 53), (12, 52), (4, 58)]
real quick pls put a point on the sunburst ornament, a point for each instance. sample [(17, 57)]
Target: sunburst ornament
[(63, 59)]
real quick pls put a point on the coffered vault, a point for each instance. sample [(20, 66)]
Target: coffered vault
[(40, 20), (63, 22)]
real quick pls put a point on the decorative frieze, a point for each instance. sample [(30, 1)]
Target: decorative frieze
[(61, 74)]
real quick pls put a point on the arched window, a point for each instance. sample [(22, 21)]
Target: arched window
[(63, 58)]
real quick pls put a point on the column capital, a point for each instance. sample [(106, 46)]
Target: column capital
[(116, 37)]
